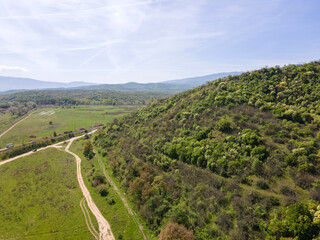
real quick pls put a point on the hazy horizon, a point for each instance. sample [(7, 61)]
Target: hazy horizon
[(153, 40)]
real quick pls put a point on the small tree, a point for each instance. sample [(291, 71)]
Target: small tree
[(88, 149), (50, 123), (54, 134)]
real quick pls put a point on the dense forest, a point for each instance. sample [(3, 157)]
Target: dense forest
[(81, 97), (237, 158)]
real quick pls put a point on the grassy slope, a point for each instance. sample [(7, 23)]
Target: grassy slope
[(39, 198), (117, 215), (64, 119)]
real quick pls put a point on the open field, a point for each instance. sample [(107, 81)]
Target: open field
[(6, 120), (40, 198), (111, 206), (44, 122)]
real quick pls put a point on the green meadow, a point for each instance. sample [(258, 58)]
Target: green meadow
[(40, 197), (7, 120), (44, 122)]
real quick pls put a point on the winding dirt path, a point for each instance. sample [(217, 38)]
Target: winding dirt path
[(15, 125), (87, 217), (104, 226)]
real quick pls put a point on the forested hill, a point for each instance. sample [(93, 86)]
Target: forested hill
[(237, 158)]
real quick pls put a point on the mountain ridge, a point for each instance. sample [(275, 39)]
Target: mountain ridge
[(17, 84), (13, 84)]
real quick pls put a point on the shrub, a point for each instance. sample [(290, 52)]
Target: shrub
[(103, 190), (174, 231), (262, 184), (224, 125)]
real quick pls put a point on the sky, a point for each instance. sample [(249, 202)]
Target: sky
[(118, 41)]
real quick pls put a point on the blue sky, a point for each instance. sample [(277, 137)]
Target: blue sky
[(117, 41)]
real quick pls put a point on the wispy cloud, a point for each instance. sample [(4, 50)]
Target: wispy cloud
[(73, 11), (98, 45), (12, 68), (151, 40)]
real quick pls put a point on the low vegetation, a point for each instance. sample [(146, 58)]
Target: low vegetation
[(40, 198), (237, 158)]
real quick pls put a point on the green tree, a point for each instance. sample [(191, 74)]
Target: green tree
[(88, 149), (299, 221)]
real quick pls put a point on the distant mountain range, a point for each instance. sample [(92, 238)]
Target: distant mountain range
[(13, 84), (171, 86), (197, 81)]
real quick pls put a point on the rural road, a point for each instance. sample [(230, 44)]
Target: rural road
[(104, 226), (28, 153), (15, 125)]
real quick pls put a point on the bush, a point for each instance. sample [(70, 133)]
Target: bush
[(111, 201), (103, 190), (224, 125), (88, 149), (174, 231), (262, 184)]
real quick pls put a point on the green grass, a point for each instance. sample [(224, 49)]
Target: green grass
[(63, 119), (39, 198), (117, 215), (4, 118), (7, 120), (147, 231)]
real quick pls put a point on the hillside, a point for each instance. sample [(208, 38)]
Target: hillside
[(237, 158), (13, 83)]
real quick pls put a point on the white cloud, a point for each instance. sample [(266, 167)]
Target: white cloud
[(12, 68), (129, 39)]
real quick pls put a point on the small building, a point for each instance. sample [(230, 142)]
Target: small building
[(10, 145)]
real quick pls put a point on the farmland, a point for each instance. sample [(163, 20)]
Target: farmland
[(40, 198), (44, 122)]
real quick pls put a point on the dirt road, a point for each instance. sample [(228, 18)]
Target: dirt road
[(28, 153), (15, 125), (86, 214), (104, 226)]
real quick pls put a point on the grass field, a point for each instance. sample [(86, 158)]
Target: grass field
[(6, 120), (63, 120), (116, 214), (40, 197)]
